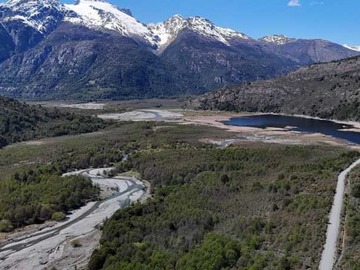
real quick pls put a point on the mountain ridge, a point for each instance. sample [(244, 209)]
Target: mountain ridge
[(326, 90), (59, 51)]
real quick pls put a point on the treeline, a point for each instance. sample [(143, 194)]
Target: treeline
[(20, 121), (249, 207), (37, 196)]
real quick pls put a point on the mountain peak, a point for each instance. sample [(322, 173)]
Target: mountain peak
[(277, 39), (41, 15), (209, 29), (178, 16), (99, 14), (167, 31)]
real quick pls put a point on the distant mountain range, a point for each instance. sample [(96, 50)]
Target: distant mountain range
[(327, 90), (95, 50)]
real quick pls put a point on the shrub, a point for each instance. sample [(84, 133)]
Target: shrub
[(76, 243), (225, 178), (355, 191), (5, 226), (58, 216)]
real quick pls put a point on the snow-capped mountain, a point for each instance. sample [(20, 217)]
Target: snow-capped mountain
[(98, 14), (277, 39), (167, 31), (41, 15), (94, 49), (353, 48)]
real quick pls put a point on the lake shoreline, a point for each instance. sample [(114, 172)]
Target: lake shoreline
[(283, 135)]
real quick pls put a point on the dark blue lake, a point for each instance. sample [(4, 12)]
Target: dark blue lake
[(300, 124)]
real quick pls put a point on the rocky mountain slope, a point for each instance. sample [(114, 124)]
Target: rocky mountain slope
[(329, 90), (25, 23), (306, 51), (93, 49)]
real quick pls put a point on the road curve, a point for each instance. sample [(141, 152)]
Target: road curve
[(328, 256)]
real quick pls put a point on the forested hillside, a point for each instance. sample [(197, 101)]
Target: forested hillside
[(20, 121), (245, 207), (329, 90), (34, 196)]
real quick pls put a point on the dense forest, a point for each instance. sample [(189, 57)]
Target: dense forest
[(40, 194), (32, 189), (245, 207), (20, 121), (37, 196), (249, 206)]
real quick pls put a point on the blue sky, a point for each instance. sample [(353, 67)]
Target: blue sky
[(335, 20)]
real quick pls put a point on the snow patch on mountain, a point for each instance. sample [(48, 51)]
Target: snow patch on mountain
[(41, 15), (351, 47), (102, 15), (44, 15), (167, 31), (277, 39)]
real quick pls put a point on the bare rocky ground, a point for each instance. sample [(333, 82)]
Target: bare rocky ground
[(82, 106), (77, 257), (145, 115)]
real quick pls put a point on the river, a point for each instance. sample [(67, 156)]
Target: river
[(45, 248)]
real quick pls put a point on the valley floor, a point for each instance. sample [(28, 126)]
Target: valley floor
[(207, 180), (242, 134)]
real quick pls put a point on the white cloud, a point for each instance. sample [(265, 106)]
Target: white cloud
[(294, 3)]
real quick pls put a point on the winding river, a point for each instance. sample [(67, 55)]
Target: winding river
[(41, 249), (38, 250)]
